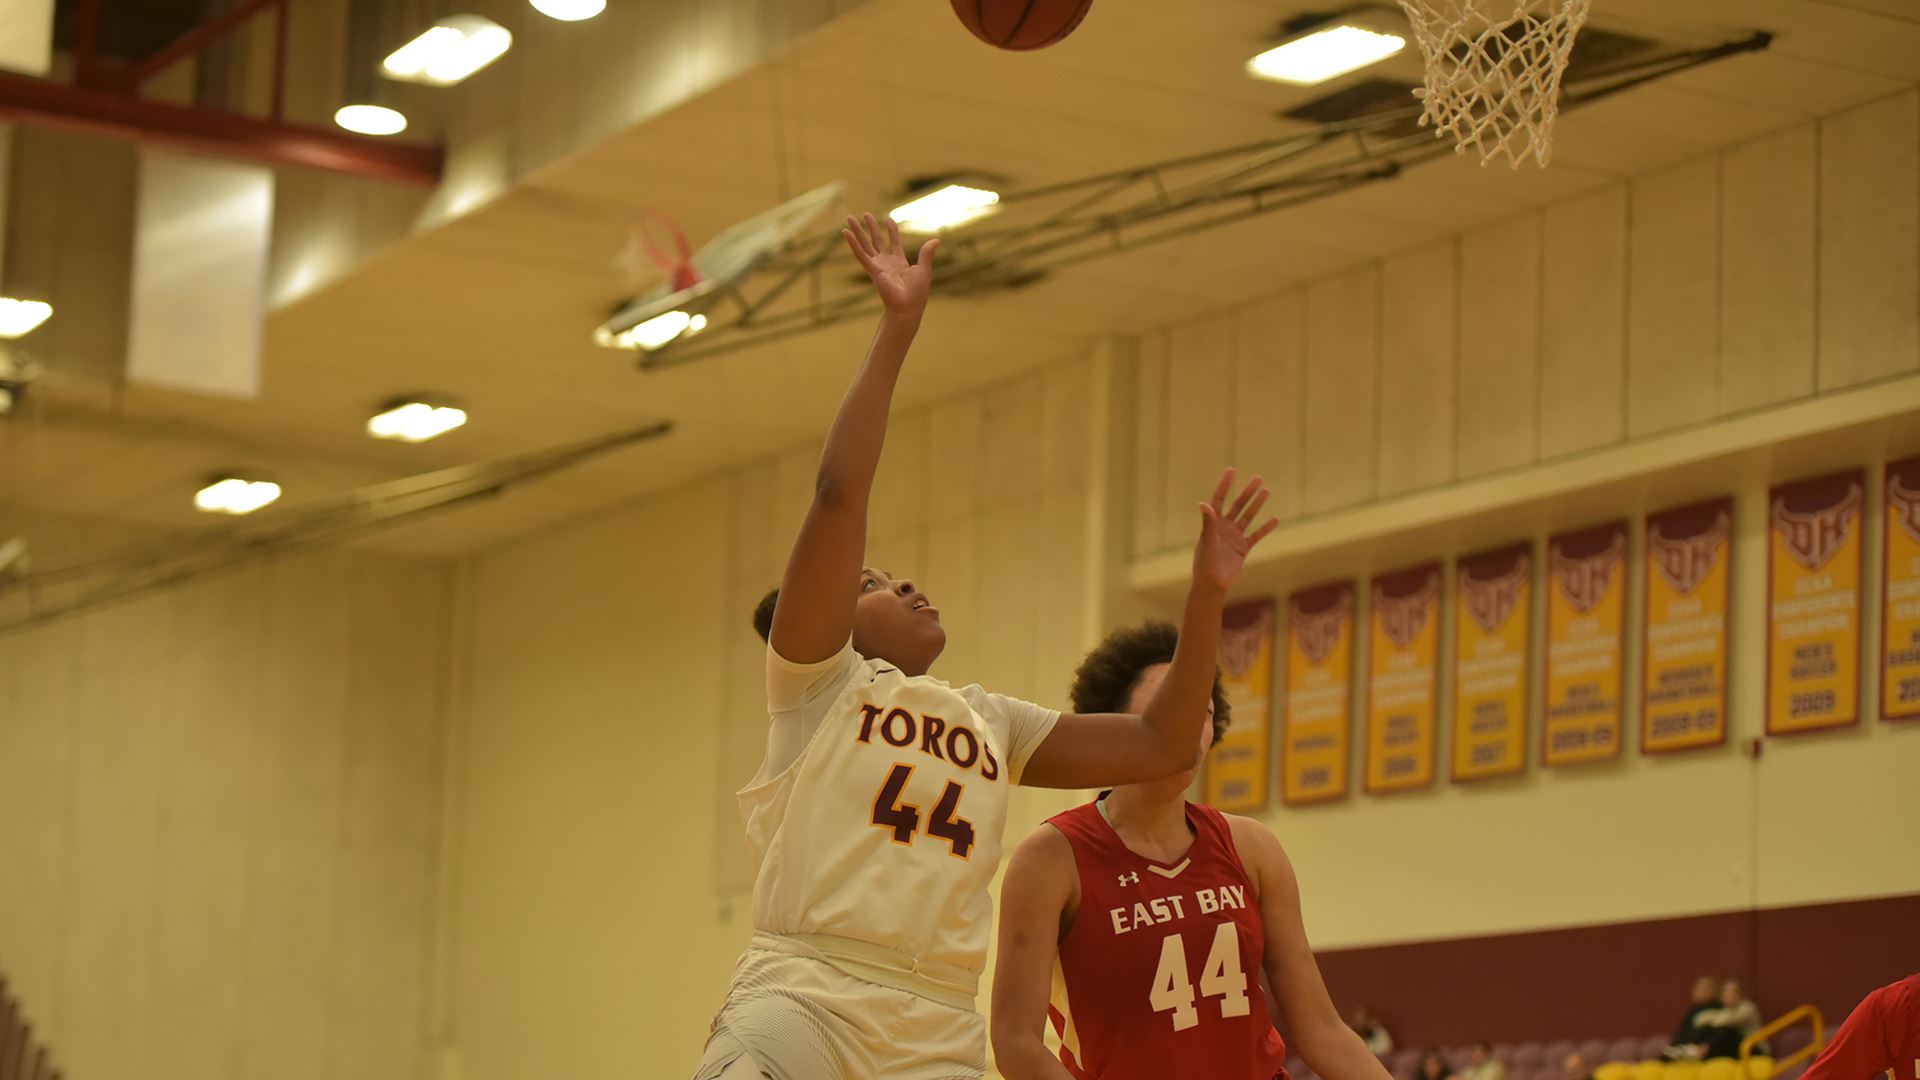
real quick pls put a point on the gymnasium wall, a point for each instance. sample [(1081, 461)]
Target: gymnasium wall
[(219, 820), (1544, 373), (611, 701), (1775, 271)]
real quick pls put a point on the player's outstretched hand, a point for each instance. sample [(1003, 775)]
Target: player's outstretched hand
[(903, 286), (1227, 534)]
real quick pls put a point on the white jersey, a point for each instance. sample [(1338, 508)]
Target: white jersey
[(877, 815)]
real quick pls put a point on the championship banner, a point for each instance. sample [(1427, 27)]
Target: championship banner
[(1236, 773), (1403, 679), (1900, 607), (1315, 725), (1586, 625), (1492, 630), (1684, 648), (1813, 603)]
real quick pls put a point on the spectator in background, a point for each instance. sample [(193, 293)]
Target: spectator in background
[(1372, 1031), (1722, 1030), (1881, 1034), (1575, 1067), (1688, 1040), (1482, 1065), (1433, 1066)]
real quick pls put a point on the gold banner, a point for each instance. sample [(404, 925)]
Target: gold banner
[(1684, 648), (1492, 630), (1236, 772), (1402, 679), (1316, 724), (1813, 604), (1900, 607), (1586, 623)]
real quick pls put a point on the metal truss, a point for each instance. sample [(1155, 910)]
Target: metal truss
[(801, 288), (36, 594)]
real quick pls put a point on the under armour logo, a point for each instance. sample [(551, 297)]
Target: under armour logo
[(1130, 879)]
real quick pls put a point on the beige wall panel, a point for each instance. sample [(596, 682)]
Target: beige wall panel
[(1066, 427), (758, 551), (379, 973), (1010, 440), (304, 701), (900, 492), (1150, 445), (41, 673), (1499, 346), (1870, 242), (1767, 268), (954, 584), (956, 441), (1419, 364), (1269, 391), (1343, 377), (1583, 322), (285, 948), (1673, 330), (1200, 391)]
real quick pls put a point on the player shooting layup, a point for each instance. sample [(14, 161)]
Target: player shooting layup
[(876, 817)]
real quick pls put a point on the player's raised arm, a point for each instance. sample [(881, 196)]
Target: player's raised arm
[(814, 617), (1313, 1026), (1100, 750), (1035, 893)]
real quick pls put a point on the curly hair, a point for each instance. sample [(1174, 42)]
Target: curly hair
[(1104, 681), (763, 615)]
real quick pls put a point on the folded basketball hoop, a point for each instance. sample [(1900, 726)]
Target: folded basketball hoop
[(1493, 71)]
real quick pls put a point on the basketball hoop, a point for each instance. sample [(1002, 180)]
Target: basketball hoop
[(1493, 71), (680, 269)]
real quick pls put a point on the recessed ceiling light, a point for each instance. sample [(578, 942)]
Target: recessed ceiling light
[(19, 317), (947, 207), (415, 422), (1323, 54), (569, 10), (235, 495), (449, 51), (655, 332), (370, 120)]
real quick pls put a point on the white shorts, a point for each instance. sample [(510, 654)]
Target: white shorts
[(802, 1018)]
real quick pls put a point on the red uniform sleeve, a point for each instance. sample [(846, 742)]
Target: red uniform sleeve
[(1861, 1049)]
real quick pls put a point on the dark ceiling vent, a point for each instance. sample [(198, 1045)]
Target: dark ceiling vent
[(1363, 98)]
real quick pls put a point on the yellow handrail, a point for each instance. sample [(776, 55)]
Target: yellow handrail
[(1779, 1024)]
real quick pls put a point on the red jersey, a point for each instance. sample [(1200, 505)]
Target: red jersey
[(1882, 1033), (1159, 976)]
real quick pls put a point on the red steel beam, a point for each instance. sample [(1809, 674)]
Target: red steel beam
[(197, 39), (123, 116)]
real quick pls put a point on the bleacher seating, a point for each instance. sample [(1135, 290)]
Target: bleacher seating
[(1625, 1058)]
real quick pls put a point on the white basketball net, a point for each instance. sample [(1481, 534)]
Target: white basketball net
[(1493, 71)]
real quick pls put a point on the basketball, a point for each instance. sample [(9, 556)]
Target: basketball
[(1021, 24)]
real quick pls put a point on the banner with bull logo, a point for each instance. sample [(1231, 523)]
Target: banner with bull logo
[(1813, 603), (1586, 624), (1236, 773), (1316, 722), (1684, 646), (1493, 630), (1403, 674), (1900, 607)]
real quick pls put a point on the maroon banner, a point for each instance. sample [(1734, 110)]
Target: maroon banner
[(1684, 640), (1493, 637), (1403, 679), (1900, 594), (1813, 603), (1583, 681)]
